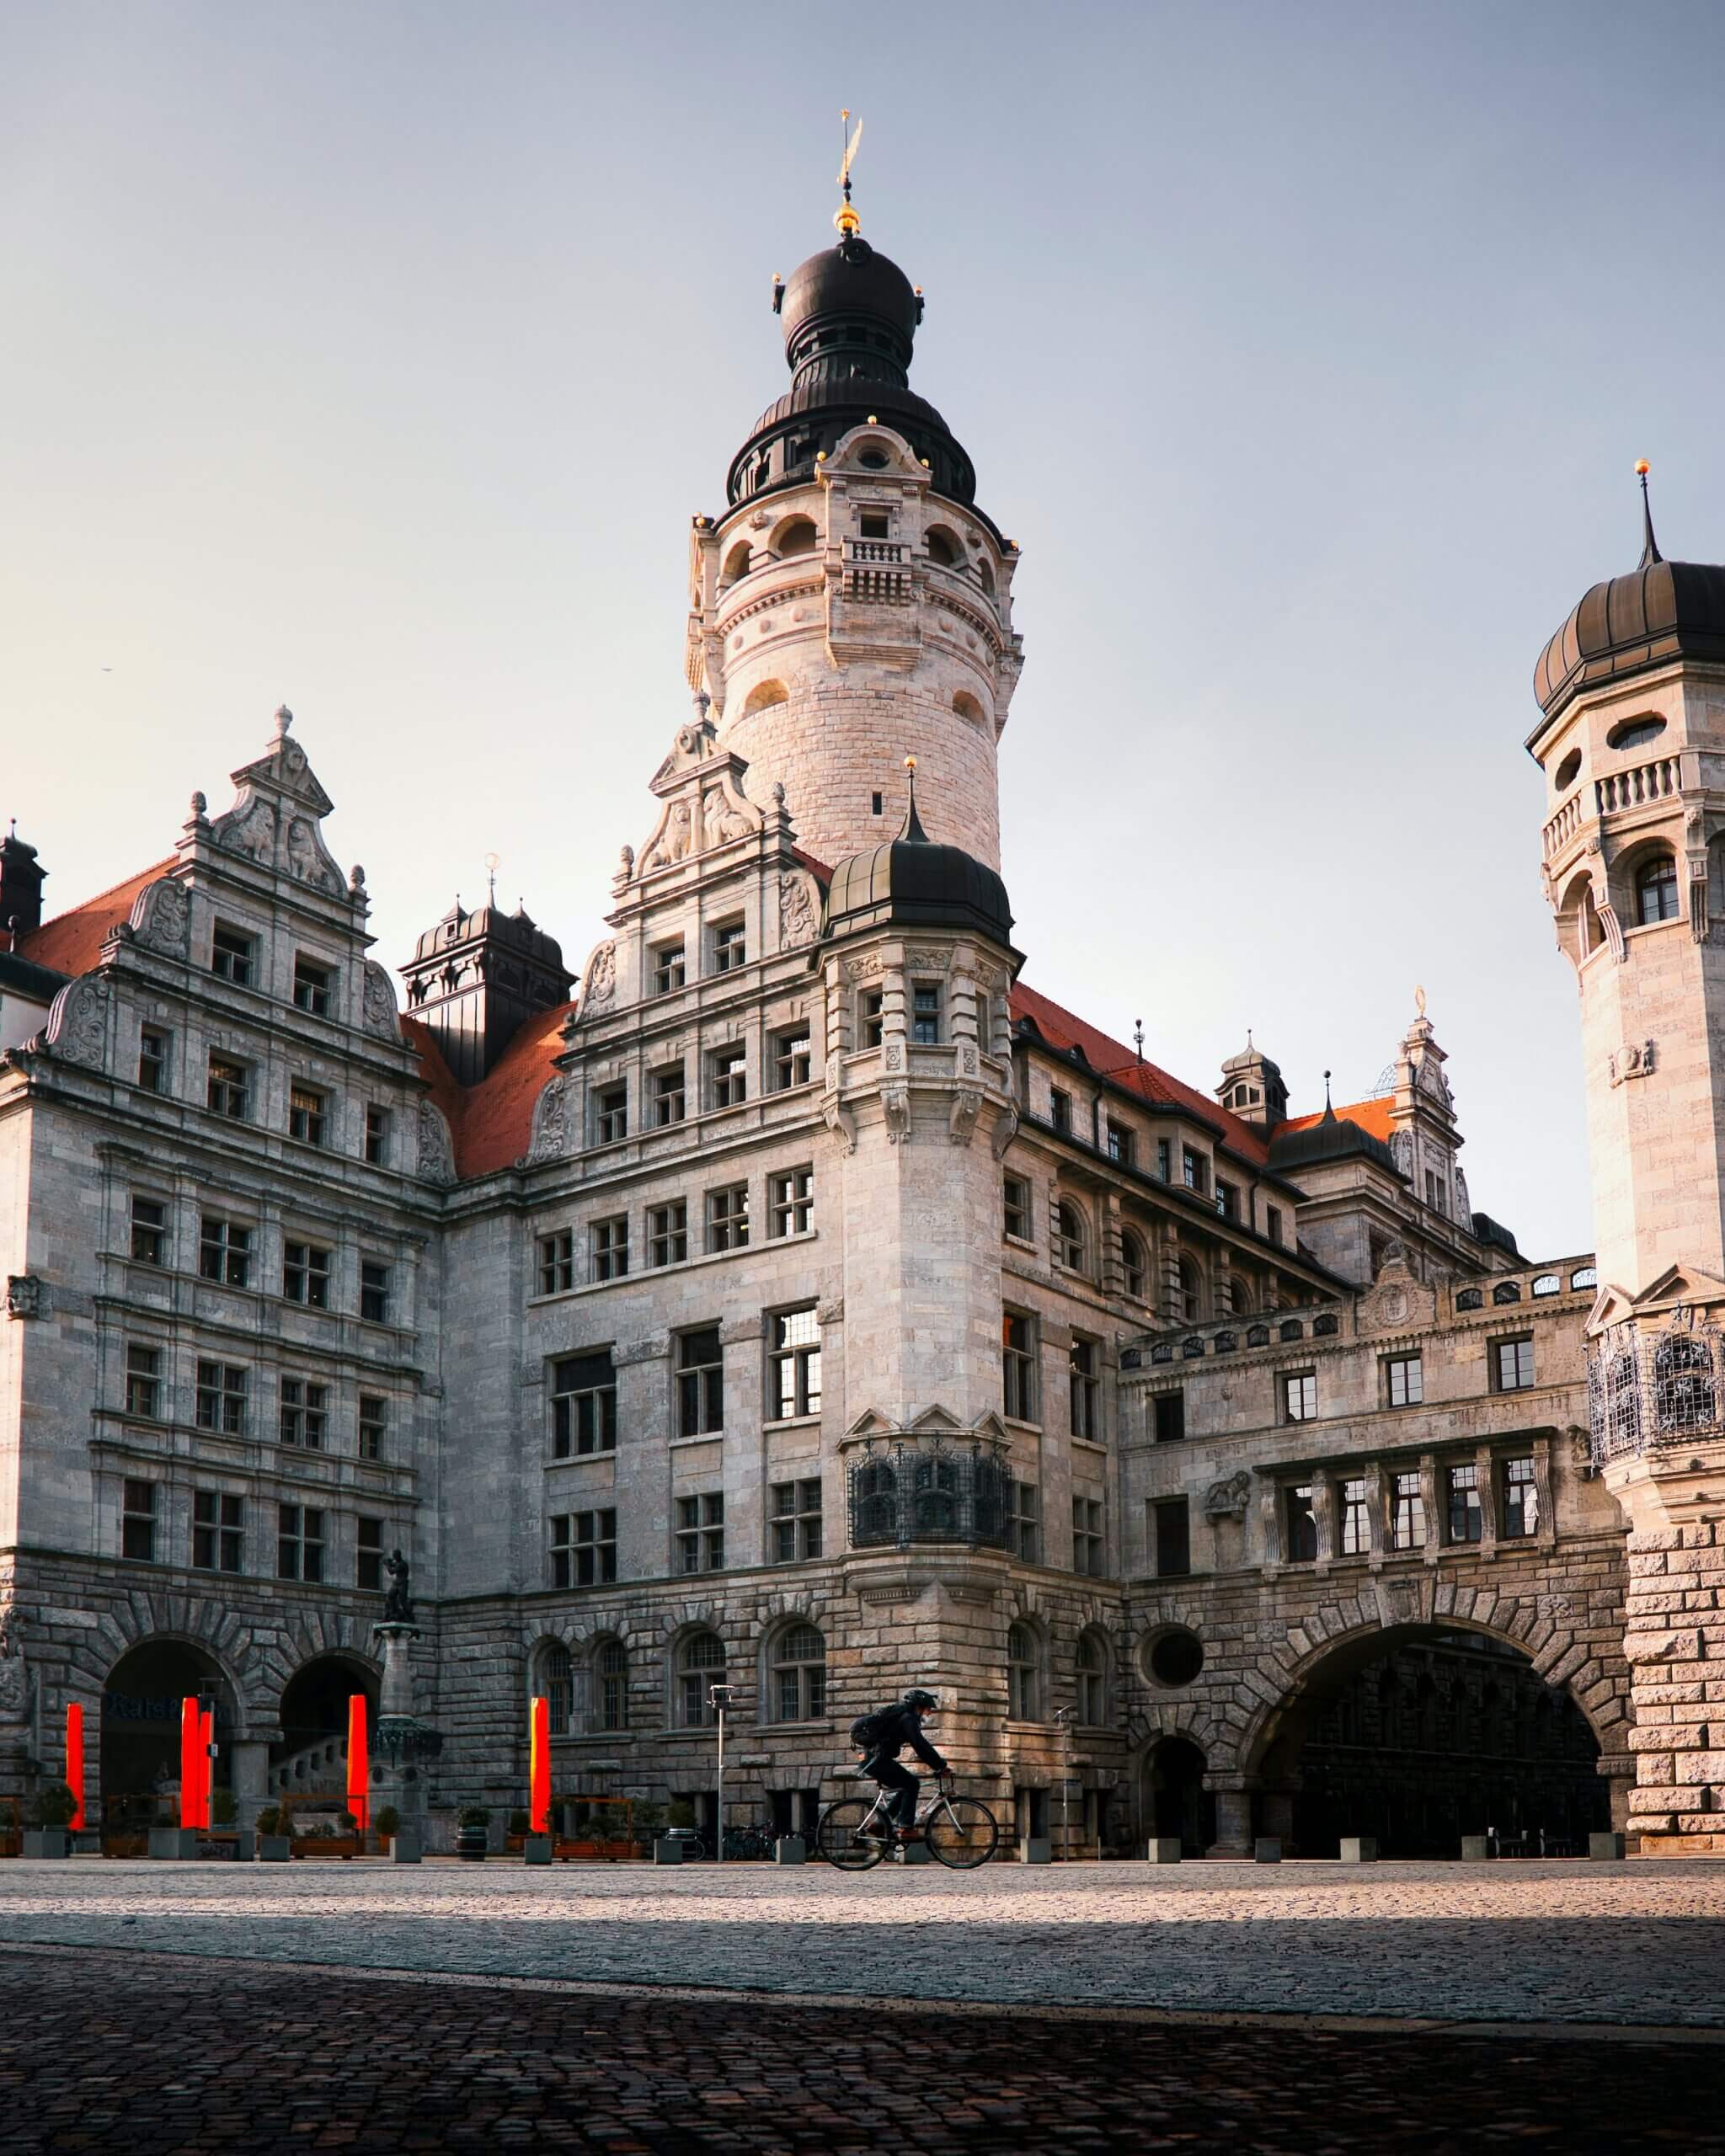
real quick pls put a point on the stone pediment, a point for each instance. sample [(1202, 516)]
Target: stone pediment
[(1396, 1302), (701, 784), (277, 814)]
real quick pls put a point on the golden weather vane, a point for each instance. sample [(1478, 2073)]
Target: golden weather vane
[(846, 218)]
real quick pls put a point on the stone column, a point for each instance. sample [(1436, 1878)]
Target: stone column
[(395, 1773), (1233, 1796)]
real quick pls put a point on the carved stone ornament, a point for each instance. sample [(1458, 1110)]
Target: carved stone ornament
[(14, 1677), (674, 842), (798, 921), (550, 1122), (161, 918), (968, 1059), (1005, 1131), (864, 969), (249, 828), (1634, 1060), (895, 1107), (381, 1015), (601, 978), (77, 1023), (722, 819), (1226, 1499), (895, 1056), (928, 962), (307, 860), (26, 1296), (830, 1312), (840, 1122), (436, 1158), (967, 1106)]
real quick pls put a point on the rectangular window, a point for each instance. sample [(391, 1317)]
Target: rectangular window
[(305, 1275), (668, 1234), (306, 1116), (1520, 1515), (1195, 1169), (1083, 1387), (310, 986), (149, 1231), (1406, 1512), (790, 1202), (727, 1218), (557, 1262), (228, 1093), (1016, 1193), (793, 1059), (1512, 1362), (1228, 1200), (1173, 1538), (304, 1412), (143, 1380), (1060, 1109), (153, 1059), (374, 1425), (377, 1137), (1087, 1536), (374, 1291), (1164, 1158), (1273, 1223), (299, 1543), (700, 1383), (221, 1398), (1356, 1521), (669, 1101), (610, 1248), (795, 1362), (610, 1113), (1466, 1516), (729, 948), (796, 1521), (873, 523), (730, 1076), (583, 1549), (583, 1406), (871, 1018), (1299, 1523), (1299, 1397), (669, 968), (1406, 1380), (137, 1521), (1018, 1366), (1121, 1144), (926, 1013), (218, 1532), (700, 1533), (1170, 1417), (234, 956), (224, 1251), (368, 1554), (1022, 1521)]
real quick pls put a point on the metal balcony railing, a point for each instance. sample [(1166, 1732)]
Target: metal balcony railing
[(1650, 1391), (903, 1492)]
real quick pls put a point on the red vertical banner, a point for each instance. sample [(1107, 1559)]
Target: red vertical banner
[(539, 1766), (75, 1759), (206, 1768), (191, 1741), (359, 1774)]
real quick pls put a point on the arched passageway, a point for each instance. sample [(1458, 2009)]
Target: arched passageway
[(310, 1757), (1418, 1737), (1178, 1804), (140, 1710)]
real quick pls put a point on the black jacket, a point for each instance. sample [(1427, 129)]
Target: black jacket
[(899, 1726)]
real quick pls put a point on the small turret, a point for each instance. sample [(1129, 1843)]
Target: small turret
[(1252, 1087), (475, 979)]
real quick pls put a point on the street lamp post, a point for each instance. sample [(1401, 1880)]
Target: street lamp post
[(1063, 1719), (719, 1698)]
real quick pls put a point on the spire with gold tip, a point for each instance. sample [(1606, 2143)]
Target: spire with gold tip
[(845, 217)]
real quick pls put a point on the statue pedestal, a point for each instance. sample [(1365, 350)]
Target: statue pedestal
[(403, 1743)]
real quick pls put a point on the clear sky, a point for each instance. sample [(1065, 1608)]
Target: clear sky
[(373, 357)]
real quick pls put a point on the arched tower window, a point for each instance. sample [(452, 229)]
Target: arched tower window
[(798, 1691), (1023, 1675), (798, 536), (763, 696), (736, 565), (944, 548), (701, 1663), (1135, 1264), (1655, 889)]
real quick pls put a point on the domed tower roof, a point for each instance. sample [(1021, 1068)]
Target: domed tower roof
[(913, 881), (1659, 611)]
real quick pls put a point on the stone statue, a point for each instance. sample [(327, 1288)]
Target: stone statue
[(14, 1687), (397, 1604)]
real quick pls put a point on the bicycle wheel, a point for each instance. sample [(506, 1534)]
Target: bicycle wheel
[(961, 1832), (839, 1837)]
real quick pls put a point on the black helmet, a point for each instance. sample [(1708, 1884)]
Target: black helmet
[(924, 1700)]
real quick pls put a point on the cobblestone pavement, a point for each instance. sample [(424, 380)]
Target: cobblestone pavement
[(1640, 1943), (107, 2052)]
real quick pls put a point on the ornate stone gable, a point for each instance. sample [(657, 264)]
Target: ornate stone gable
[(276, 820)]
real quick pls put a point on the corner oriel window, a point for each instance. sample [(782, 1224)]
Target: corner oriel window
[(1656, 891), (1195, 1169), (870, 1017), (926, 1013)]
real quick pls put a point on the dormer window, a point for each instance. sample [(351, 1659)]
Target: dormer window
[(234, 956)]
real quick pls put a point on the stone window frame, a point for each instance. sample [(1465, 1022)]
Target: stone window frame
[(790, 1209), (1022, 1210), (667, 1234), (557, 1261), (807, 1672), (155, 1059), (233, 954), (314, 984), (669, 1094), (218, 1532), (1410, 1365), (792, 1057), (1093, 1682), (1027, 1671), (151, 1242)]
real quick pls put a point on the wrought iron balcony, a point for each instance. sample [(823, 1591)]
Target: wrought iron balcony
[(1648, 1391), (904, 1491)]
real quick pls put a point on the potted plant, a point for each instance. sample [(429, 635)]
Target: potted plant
[(52, 1814), (473, 1832), (274, 1834)]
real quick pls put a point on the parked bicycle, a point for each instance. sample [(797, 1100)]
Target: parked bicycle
[(959, 1831)]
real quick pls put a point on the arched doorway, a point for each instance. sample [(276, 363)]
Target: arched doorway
[(310, 1757), (1420, 1736), (1176, 1802), (140, 1712)]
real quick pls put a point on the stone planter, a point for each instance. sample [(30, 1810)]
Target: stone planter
[(1267, 1850), (172, 1843), (470, 1843), (47, 1841), (1165, 1849), (536, 1848), (274, 1849), (245, 1845), (790, 1849), (1604, 1849), (1037, 1849), (1359, 1849), (667, 1852), (1475, 1849), (404, 1846)]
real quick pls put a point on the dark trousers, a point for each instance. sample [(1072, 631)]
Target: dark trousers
[(901, 1804)]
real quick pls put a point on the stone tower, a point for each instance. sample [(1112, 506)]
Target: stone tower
[(853, 605), (1632, 739)]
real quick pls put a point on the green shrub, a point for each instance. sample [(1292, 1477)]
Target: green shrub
[(387, 1823), (474, 1815), (520, 1824), (55, 1806), (270, 1820), (223, 1807), (680, 1813)]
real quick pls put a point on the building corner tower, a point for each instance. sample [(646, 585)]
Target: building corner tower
[(1631, 740)]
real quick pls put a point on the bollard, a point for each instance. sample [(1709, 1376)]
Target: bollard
[(790, 1849), (1359, 1849), (1036, 1848), (1475, 1849), (1165, 1849), (167, 1843), (404, 1848), (1604, 1849), (537, 1849), (1267, 1850), (667, 1852)]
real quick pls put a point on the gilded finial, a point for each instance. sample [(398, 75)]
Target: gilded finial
[(1649, 546), (846, 217)]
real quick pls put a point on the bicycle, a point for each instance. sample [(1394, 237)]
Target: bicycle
[(961, 1832)]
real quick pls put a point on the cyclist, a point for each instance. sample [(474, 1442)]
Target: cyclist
[(886, 1732)]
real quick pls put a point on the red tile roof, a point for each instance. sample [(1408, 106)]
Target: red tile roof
[(1372, 1117), (72, 942), (492, 1123)]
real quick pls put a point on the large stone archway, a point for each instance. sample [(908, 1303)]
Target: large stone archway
[(139, 1739), (309, 1758)]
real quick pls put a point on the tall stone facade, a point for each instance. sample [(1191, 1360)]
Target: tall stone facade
[(808, 1304)]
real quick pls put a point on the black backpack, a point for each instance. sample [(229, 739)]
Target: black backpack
[(867, 1733)]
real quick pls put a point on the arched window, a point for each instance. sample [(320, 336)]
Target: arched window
[(985, 577), (1655, 889), (934, 1498), (1240, 1295), (798, 536), (556, 1684), (736, 565), (1190, 1298), (700, 1664), (1023, 1675), (1135, 1263), (798, 1691), (967, 707), (1092, 1680), (874, 1490), (1069, 1236), (943, 548), (1683, 1382), (763, 696), (611, 1685)]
